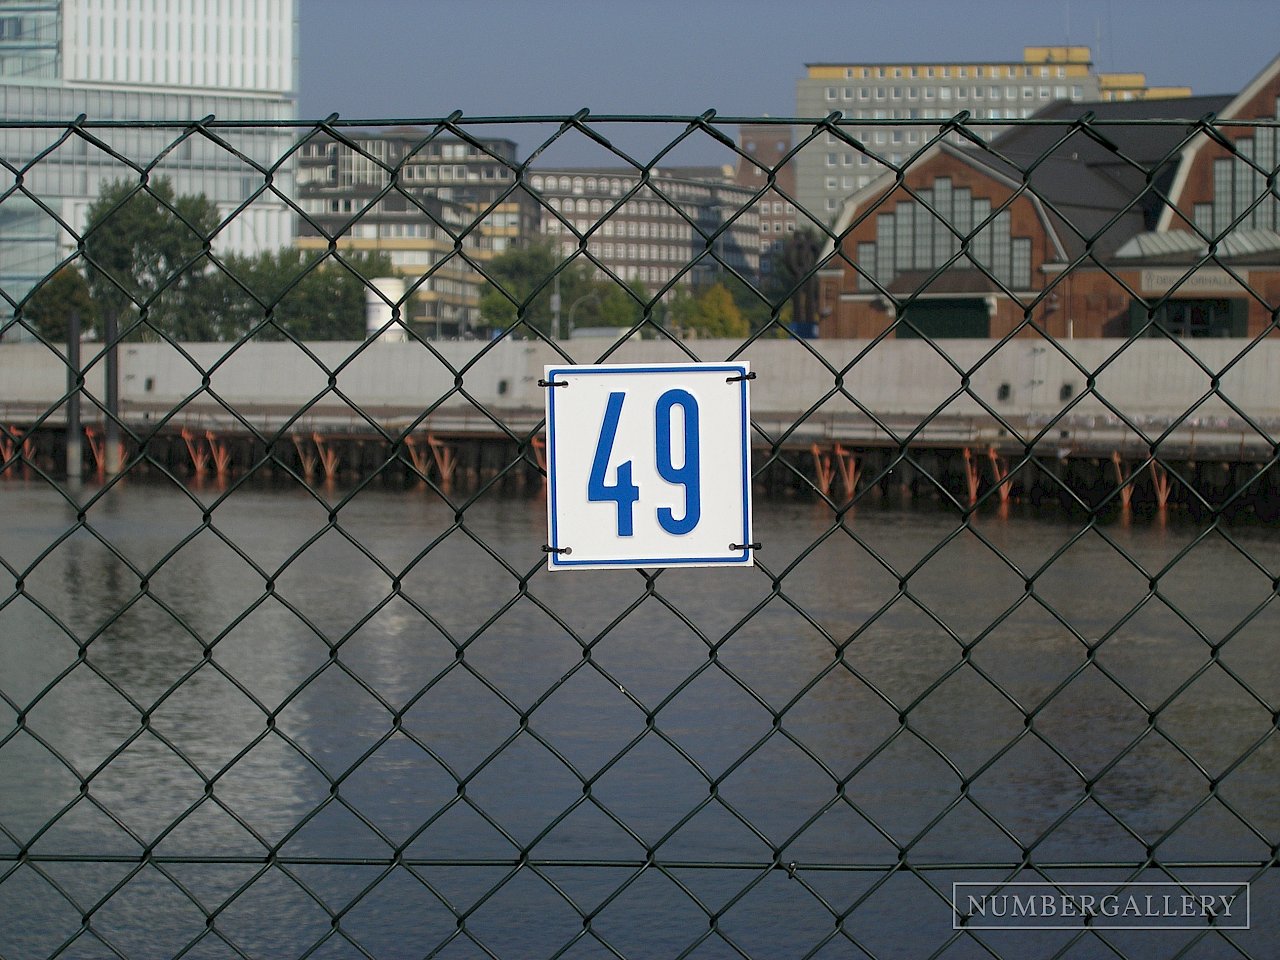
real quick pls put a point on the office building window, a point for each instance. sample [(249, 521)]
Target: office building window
[(831, 93)]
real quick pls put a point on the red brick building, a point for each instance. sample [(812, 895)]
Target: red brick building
[(1086, 230), (764, 148)]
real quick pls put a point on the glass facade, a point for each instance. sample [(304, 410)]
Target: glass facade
[(919, 236), (1241, 197), (48, 73), (30, 35)]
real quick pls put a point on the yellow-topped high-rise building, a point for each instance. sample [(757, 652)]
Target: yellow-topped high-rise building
[(893, 108)]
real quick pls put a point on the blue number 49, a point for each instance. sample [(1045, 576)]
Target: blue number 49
[(625, 493)]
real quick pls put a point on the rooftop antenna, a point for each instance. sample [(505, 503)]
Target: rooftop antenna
[(1111, 35)]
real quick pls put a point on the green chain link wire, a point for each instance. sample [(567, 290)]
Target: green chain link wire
[(931, 873)]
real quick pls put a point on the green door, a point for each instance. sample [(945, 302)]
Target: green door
[(944, 319)]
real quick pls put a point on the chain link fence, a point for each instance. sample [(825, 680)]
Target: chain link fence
[(285, 674)]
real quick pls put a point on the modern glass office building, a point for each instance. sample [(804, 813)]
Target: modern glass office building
[(139, 60)]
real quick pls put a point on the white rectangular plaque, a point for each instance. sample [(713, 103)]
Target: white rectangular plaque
[(648, 465)]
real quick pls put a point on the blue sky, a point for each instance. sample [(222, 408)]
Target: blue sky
[(425, 58), (403, 58)]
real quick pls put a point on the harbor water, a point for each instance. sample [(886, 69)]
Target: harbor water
[(268, 721)]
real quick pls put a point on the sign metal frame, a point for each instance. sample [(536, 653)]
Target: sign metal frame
[(740, 549)]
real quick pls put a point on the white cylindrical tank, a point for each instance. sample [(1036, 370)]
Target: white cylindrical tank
[(379, 296)]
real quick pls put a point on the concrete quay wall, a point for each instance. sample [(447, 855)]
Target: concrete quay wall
[(1149, 381)]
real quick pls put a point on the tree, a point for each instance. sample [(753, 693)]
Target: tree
[(144, 250), (147, 250), (517, 273), (756, 303), (51, 304), (796, 277), (710, 313), (296, 293), (621, 306)]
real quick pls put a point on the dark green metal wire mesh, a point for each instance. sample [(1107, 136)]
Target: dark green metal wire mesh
[(851, 912)]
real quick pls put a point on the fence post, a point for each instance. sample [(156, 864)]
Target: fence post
[(75, 451)]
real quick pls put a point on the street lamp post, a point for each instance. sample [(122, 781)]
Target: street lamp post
[(574, 306), (555, 306)]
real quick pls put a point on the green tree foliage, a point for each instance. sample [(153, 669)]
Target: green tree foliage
[(795, 276), (144, 251), (515, 276), (147, 250), (756, 302), (289, 293), (710, 312), (51, 304), (594, 302), (621, 306)]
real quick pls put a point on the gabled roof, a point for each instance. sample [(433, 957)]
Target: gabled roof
[(1093, 179), (1183, 245), (1228, 111), (1090, 183)]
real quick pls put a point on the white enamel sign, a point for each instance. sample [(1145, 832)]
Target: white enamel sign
[(648, 465)]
